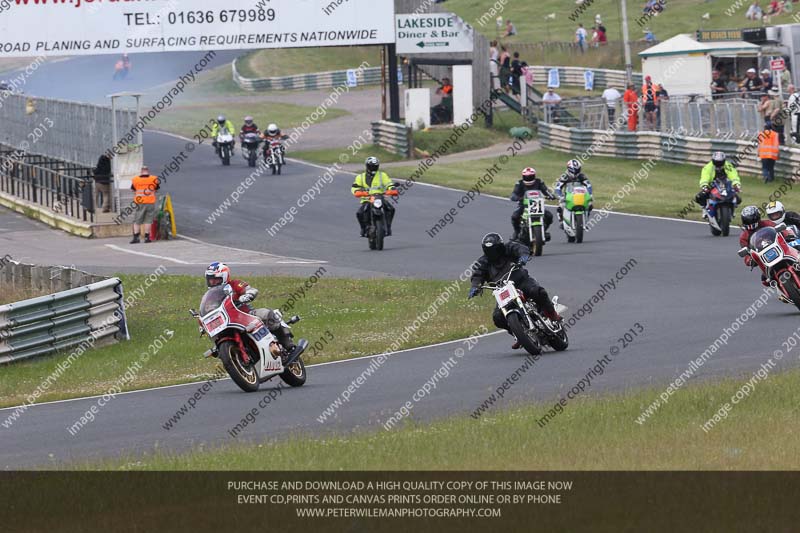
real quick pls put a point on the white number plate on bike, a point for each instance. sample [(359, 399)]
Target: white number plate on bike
[(535, 202), (505, 294), (214, 324)]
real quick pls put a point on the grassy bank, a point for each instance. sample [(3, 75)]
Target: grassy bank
[(591, 434), (285, 62), (340, 306), (666, 190)]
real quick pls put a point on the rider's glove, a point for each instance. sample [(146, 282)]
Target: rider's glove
[(551, 197), (473, 292), (524, 259), (748, 261), (705, 188), (737, 188), (246, 298)]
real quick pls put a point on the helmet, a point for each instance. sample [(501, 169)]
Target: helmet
[(528, 175), (248, 120), (372, 164), (272, 129), (718, 158), (573, 167), (221, 119), (776, 212), (493, 247), (217, 274), (751, 216)]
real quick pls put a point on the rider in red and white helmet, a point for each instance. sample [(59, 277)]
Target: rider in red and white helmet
[(219, 274), (529, 182)]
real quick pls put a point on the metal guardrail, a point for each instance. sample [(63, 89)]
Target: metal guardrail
[(306, 82), (574, 76), (58, 186), (47, 324), (395, 138), (662, 147)]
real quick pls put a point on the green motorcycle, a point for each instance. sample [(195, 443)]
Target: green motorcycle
[(577, 200)]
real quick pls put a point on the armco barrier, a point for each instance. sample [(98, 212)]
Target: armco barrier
[(393, 137), (573, 76), (661, 146), (306, 82), (87, 314)]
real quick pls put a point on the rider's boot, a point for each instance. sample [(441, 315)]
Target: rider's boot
[(517, 345), (551, 314), (516, 226), (285, 337)]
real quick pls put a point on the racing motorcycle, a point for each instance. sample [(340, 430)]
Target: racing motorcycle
[(531, 232), (525, 321), (376, 223), (778, 259), (249, 352), (274, 155), (250, 142), (577, 199), (721, 205), (225, 146)]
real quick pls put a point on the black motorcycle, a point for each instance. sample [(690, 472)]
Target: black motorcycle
[(376, 218)]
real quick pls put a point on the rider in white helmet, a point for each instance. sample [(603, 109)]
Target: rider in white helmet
[(777, 214)]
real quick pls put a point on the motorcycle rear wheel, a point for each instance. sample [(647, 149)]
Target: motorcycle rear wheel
[(245, 377), (516, 326), (295, 374)]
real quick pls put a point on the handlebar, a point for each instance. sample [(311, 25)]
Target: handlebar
[(492, 285)]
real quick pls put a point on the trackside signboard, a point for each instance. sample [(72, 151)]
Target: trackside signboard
[(433, 33), (84, 27)]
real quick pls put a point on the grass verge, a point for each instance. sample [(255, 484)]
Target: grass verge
[(667, 189), (590, 434), (188, 120), (341, 306), (285, 62)]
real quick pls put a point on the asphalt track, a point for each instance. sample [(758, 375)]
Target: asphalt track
[(684, 288)]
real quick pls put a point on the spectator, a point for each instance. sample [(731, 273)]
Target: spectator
[(663, 96), (631, 99), (649, 36), (511, 30), (494, 65), (580, 37), (775, 8), (751, 85), (442, 113), (144, 187), (611, 96), (650, 100), (766, 80), (602, 36), (516, 72), (793, 108), (505, 68), (754, 12), (718, 88), (768, 152), (102, 183), (552, 102)]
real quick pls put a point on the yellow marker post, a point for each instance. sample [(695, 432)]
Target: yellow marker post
[(168, 209)]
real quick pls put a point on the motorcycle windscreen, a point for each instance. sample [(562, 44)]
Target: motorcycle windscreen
[(763, 238), (212, 299)]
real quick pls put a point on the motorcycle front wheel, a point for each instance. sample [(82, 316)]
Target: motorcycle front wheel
[(538, 241), (519, 330), (295, 374), (792, 290), (579, 227), (246, 377), (380, 233), (724, 219)]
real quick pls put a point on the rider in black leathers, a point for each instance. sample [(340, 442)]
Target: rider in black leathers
[(497, 259), (529, 182)]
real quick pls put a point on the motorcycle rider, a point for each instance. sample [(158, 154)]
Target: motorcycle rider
[(222, 124), (497, 259), (573, 174), (375, 182), (273, 133), (218, 274), (249, 127), (778, 214), (718, 166), (529, 182)]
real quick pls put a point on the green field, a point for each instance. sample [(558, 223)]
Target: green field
[(590, 434), (341, 306), (189, 119), (285, 62), (666, 190)]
